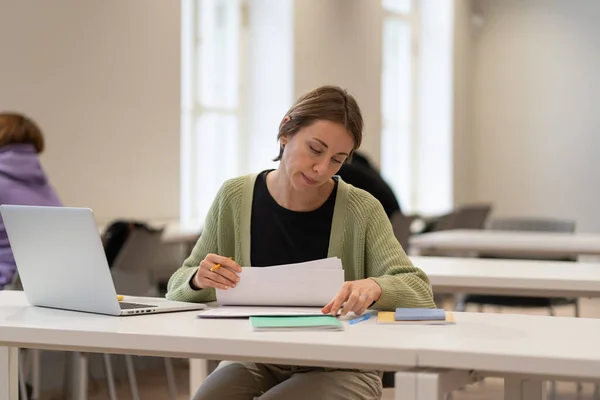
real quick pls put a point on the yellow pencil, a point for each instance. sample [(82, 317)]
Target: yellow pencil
[(218, 265)]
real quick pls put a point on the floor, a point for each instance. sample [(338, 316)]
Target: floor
[(152, 384), (153, 387)]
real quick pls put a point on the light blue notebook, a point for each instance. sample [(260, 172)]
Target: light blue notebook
[(420, 314), (296, 323)]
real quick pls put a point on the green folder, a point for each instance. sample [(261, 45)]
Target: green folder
[(296, 323)]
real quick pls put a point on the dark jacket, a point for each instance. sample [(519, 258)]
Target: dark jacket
[(361, 174)]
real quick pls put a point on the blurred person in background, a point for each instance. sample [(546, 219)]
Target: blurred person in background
[(360, 173), (22, 178)]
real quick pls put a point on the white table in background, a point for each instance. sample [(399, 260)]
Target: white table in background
[(511, 277), (507, 242), (175, 232), (183, 335)]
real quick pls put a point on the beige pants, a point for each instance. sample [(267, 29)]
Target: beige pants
[(250, 381)]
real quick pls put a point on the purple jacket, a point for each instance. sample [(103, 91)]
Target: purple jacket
[(23, 182)]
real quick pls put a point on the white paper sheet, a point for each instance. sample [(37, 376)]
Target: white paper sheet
[(312, 284), (250, 311), (325, 263)]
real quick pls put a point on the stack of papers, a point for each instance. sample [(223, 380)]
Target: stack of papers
[(427, 316), (249, 311), (302, 323), (309, 284)]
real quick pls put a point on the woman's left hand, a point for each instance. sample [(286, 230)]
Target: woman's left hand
[(355, 296)]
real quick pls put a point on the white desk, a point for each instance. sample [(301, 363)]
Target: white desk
[(511, 277), (517, 347), (508, 242), (515, 344), (184, 335)]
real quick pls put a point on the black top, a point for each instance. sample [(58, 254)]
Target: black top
[(281, 236), (361, 174)]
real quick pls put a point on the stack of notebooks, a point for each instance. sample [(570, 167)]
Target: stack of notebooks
[(296, 323), (402, 316), (407, 316)]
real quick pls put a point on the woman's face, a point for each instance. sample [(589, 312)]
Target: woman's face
[(316, 153)]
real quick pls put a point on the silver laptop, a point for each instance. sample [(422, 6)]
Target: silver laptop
[(61, 262)]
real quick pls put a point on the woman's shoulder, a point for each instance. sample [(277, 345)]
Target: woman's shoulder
[(359, 199), (234, 187), (233, 184)]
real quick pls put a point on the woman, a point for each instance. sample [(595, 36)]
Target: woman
[(301, 211), (22, 179)]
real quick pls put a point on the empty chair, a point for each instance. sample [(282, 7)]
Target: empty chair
[(531, 225), (132, 267), (471, 216), (401, 225)]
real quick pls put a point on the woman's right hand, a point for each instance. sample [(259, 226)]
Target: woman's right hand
[(224, 277)]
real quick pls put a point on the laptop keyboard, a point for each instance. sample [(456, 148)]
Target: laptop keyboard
[(129, 306)]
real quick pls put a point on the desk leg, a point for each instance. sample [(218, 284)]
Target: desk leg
[(9, 373), (79, 385), (405, 385), (516, 388), (35, 373), (429, 384), (198, 373)]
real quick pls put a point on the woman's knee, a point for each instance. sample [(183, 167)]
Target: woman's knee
[(231, 380)]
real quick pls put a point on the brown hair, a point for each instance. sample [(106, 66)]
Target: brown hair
[(329, 103), (17, 128)]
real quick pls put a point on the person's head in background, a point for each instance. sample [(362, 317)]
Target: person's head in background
[(18, 129), (317, 135)]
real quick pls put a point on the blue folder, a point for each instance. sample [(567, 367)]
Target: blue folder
[(420, 314)]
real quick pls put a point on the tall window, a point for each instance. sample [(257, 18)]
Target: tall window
[(416, 101), (233, 94), (211, 106), (398, 99)]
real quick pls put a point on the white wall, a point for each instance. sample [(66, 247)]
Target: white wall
[(339, 42), (536, 119), (102, 80)]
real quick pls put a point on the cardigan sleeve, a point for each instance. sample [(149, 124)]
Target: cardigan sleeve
[(179, 287), (402, 284)]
